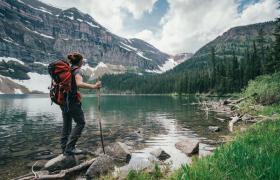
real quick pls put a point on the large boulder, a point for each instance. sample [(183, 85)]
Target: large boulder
[(61, 162), (160, 154), (138, 162), (102, 164), (188, 146), (118, 151)]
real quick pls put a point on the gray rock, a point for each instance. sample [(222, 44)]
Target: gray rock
[(188, 146), (135, 136), (118, 151), (213, 128), (103, 164), (138, 162), (160, 154), (61, 162)]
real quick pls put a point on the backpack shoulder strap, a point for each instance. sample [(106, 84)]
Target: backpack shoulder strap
[(74, 69)]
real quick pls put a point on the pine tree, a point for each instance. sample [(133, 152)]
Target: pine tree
[(261, 42), (277, 46)]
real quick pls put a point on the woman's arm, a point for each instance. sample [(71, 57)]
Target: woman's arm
[(81, 84)]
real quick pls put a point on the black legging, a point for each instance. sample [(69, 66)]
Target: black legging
[(69, 137)]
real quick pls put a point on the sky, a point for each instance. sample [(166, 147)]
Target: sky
[(174, 26)]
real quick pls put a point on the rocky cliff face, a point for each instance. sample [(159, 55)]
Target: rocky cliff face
[(35, 32)]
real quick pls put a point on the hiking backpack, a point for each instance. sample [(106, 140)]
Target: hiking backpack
[(60, 89)]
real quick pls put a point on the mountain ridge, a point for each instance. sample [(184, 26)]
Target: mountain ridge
[(53, 32)]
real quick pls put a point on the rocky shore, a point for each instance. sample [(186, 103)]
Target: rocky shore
[(119, 160)]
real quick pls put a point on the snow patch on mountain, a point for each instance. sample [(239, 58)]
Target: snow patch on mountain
[(7, 59), (40, 9), (168, 65), (129, 47), (9, 40), (101, 69), (20, 2), (41, 63), (140, 53), (125, 48), (41, 34), (18, 91), (92, 25), (44, 35), (70, 17)]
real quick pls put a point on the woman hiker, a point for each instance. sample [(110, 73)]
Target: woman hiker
[(70, 136)]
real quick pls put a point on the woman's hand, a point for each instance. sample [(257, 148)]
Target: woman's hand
[(98, 85)]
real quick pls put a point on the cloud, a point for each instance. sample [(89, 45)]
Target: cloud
[(187, 25), (190, 24), (109, 13), (137, 8)]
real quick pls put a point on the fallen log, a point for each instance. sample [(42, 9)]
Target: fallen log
[(60, 175), (231, 123)]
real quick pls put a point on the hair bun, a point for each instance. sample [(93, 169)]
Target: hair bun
[(74, 58)]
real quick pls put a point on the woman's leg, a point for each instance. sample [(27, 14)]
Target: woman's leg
[(78, 116), (66, 129)]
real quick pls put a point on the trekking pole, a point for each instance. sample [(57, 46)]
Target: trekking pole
[(99, 119)]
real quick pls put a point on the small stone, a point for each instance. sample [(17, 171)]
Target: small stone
[(102, 164), (61, 162), (188, 146), (213, 128), (160, 154)]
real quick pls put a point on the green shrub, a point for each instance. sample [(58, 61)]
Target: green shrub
[(266, 90)]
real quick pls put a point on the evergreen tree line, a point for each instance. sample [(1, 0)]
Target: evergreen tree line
[(223, 73)]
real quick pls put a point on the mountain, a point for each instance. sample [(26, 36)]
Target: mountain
[(238, 39), (182, 57), (224, 65), (36, 34)]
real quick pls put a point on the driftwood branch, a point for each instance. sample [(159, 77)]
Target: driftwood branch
[(231, 123), (60, 175)]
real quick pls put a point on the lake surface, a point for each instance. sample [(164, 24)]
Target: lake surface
[(30, 125)]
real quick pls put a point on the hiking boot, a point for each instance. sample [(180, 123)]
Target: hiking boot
[(74, 151)]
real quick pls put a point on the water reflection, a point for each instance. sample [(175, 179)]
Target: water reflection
[(30, 124)]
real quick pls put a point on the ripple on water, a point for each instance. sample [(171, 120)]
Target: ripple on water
[(29, 123)]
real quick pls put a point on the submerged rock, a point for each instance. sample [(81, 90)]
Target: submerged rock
[(160, 154), (61, 162), (188, 146), (102, 164), (44, 154), (213, 128)]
